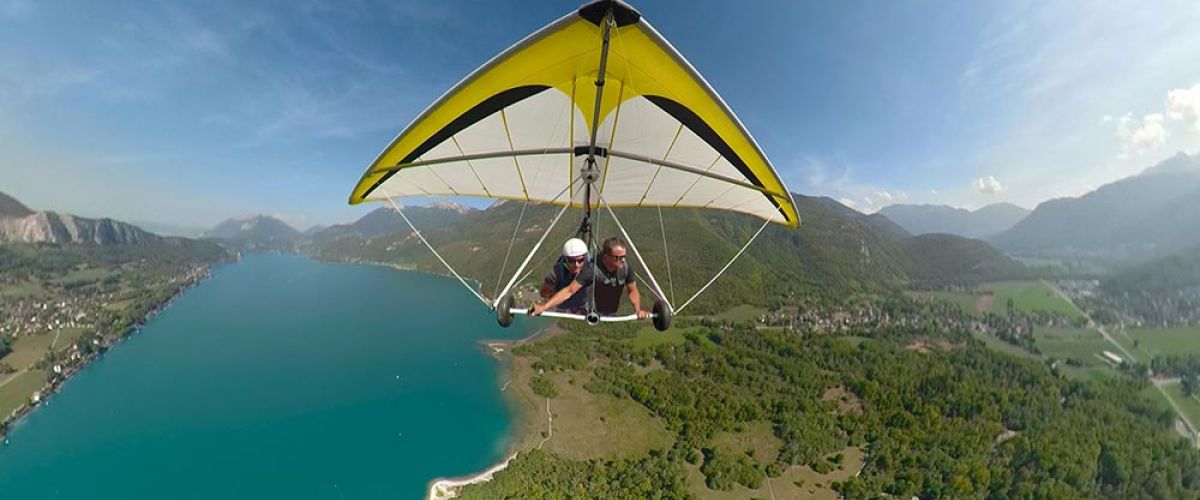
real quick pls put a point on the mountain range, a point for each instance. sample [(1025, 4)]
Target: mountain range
[(1146, 216), (981, 223), (384, 220)]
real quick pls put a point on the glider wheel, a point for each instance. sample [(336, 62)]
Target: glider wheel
[(662, 316), (592, 318), (504, 311)]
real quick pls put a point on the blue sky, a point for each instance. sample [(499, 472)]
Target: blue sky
[(192, 112)]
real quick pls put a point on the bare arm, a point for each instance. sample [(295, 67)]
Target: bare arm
[(636, 299), (557, 299)]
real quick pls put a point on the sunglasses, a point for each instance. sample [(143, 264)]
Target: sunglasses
[(618, 258), (577, 260)]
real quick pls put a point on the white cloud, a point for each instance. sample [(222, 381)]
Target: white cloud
[(1183, 104), (988, 185), (1140, 139)]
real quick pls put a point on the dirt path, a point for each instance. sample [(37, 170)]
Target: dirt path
[(984, 304), (12, 376), (549, 425)]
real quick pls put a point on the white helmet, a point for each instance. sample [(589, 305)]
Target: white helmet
[(574, 247)]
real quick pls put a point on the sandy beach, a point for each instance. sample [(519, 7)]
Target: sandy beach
[(449, 488)]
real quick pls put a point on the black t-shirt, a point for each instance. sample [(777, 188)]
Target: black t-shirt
[(559, 277), (609, 286)]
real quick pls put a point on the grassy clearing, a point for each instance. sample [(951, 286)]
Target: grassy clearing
[(21, 290), (758, 437), (742, 313), (1028, 296), (80, 277), (1136, 348), (1164, 341), (1005, 347), (1080, 344), (796, 482), (17, 390), (590, 425), (1188, 404), (66, 337), (648, 336), (586, 425), (27, 350), (967, 302)]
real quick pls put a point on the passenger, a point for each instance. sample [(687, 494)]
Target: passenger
[(566, 268), (615, 275)]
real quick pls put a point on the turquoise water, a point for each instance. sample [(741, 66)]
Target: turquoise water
[(279, 377)]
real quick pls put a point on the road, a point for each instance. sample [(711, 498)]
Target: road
[(1158, 384)]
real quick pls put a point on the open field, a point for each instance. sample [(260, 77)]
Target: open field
[(1030, 296), (21, 290), (1189, 404), (798, 481), (80, 277), (27, 350), (966, 302), (66, 337), (1005, 347), (1080, 344), (1164, 341), (17, 389), (759, 436), (1027, 296), (742, 313), (585, 425), (647, 336)]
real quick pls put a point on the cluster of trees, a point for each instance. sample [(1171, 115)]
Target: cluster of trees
[(958, 421), (538, 474), (1176, 365)]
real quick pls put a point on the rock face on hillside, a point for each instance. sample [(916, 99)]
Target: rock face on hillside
[(931, 219), (51, 227), (1149, 215)]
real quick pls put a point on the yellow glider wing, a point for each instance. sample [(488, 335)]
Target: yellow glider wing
[(520, 127)]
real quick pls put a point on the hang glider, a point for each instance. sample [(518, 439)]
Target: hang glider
[(595, 109)]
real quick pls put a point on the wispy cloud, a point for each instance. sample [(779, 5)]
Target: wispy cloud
[(835, 178)]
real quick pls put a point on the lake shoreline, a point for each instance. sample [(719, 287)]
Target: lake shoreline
[(523, 414), (202, 273)]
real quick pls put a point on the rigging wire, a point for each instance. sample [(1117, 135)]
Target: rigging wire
[(666, 255), (722, 271), (430, 247)]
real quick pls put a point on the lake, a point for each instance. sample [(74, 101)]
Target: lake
[(279, 377)]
